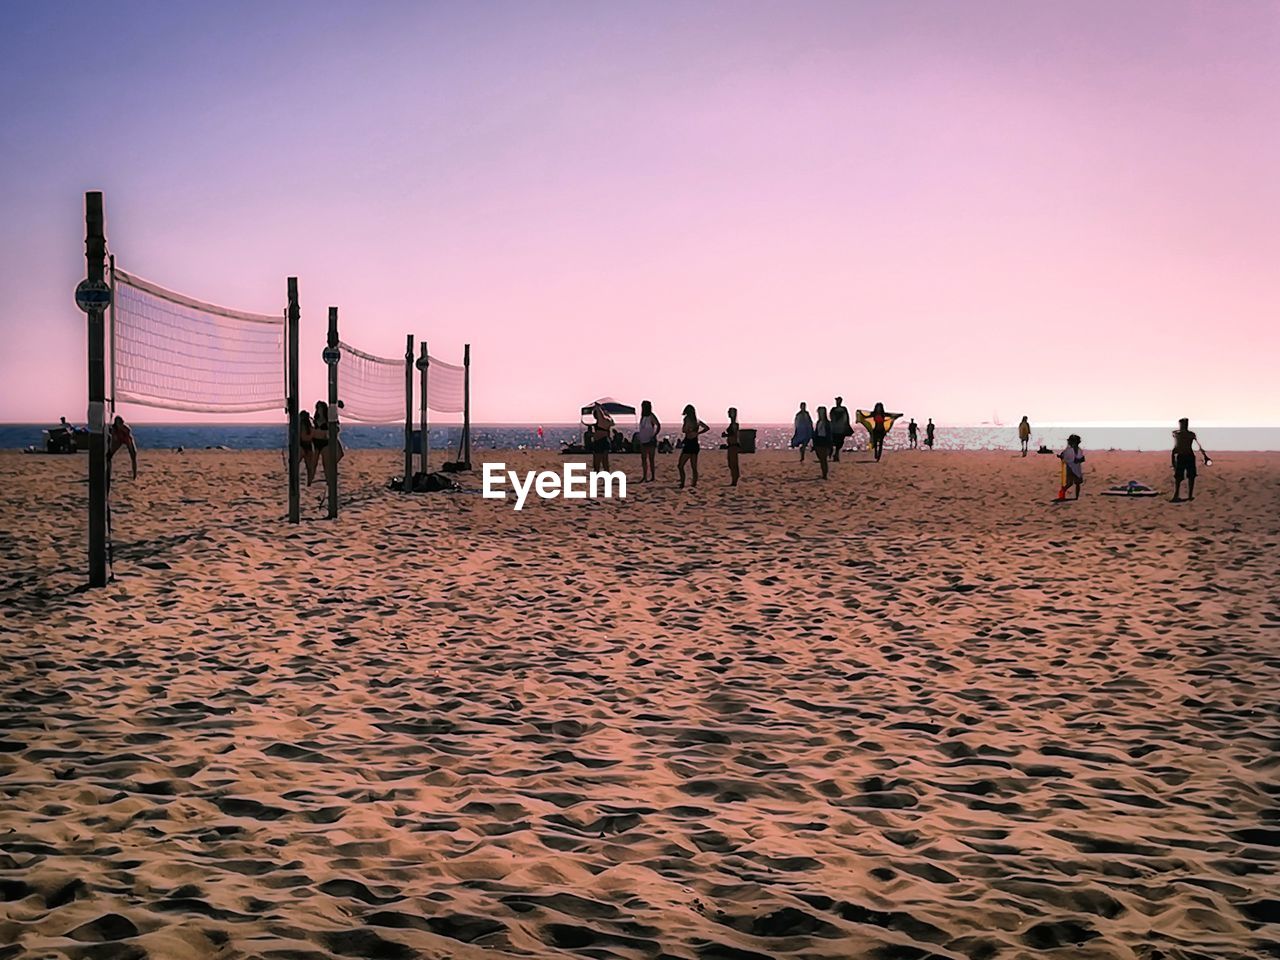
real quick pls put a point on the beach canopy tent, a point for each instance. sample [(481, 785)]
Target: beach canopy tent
[(611, 407)]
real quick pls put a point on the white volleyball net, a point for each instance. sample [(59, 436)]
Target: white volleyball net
[(446, 391), (372, 388), (174, 352)]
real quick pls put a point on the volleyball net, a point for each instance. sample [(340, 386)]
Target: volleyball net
[(373, 388), (172, 351), (446, 386)]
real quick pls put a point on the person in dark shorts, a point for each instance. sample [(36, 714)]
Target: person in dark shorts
[(690, 429), (822, 439), (841, 428), (913, 433), (647, 439), (1183, 459), (601, 431), (733, 445)]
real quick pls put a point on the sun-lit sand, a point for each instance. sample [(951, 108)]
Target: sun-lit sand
[(917, 711)]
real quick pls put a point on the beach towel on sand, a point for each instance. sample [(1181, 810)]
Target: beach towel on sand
[(1131, 489)]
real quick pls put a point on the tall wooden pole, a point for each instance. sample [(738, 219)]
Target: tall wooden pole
[(331, 466), (111, 334), (95, 254), (466, 406), (291, 404), (408, 414), (424, 444)]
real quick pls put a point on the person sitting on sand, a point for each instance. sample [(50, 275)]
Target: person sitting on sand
[(601, 429), (1072, 467), (122, 436), (1024, 435), (647, 440), (913, 433), (733, 445), (840, 427), (822, 439), (690, 430), (803, 433), (306, 445), (1183, 460)]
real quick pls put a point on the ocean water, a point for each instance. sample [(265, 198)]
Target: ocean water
[(774, 436)]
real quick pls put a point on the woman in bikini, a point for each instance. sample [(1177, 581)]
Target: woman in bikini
[(733, 445), (690, 430), (601, 433)]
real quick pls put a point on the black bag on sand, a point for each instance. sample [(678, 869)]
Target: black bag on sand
[(425, 483)]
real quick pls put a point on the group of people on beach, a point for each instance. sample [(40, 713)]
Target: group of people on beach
[(601, 431), (1182, 459), (827, 434), (313, 442)]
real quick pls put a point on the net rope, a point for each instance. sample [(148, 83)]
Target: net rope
[(444, 386), (372, 388), (177, 353)]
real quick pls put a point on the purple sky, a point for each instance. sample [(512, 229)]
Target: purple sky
[(1068, 210)]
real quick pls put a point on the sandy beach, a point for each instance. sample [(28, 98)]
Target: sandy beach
[(915, 712)]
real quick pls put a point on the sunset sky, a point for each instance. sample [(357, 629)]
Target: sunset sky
[(1067, 210)]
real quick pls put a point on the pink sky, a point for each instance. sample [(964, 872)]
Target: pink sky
[(1064, 210)]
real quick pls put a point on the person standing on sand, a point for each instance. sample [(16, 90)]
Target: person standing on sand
[(840, 427), (732, 445), (881, 423), (647, 438), (803, 434), (928, 434), (601, 432), (690, 430), (1024, 435), (822, 440), (320, 438), (1183, 460), (122, 436), (913, 433), (1072, 470), (306, 446)]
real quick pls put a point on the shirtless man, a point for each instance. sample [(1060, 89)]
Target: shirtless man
[(1183, 460)]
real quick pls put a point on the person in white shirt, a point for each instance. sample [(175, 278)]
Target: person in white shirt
[(1072, 470), (647, 437)]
